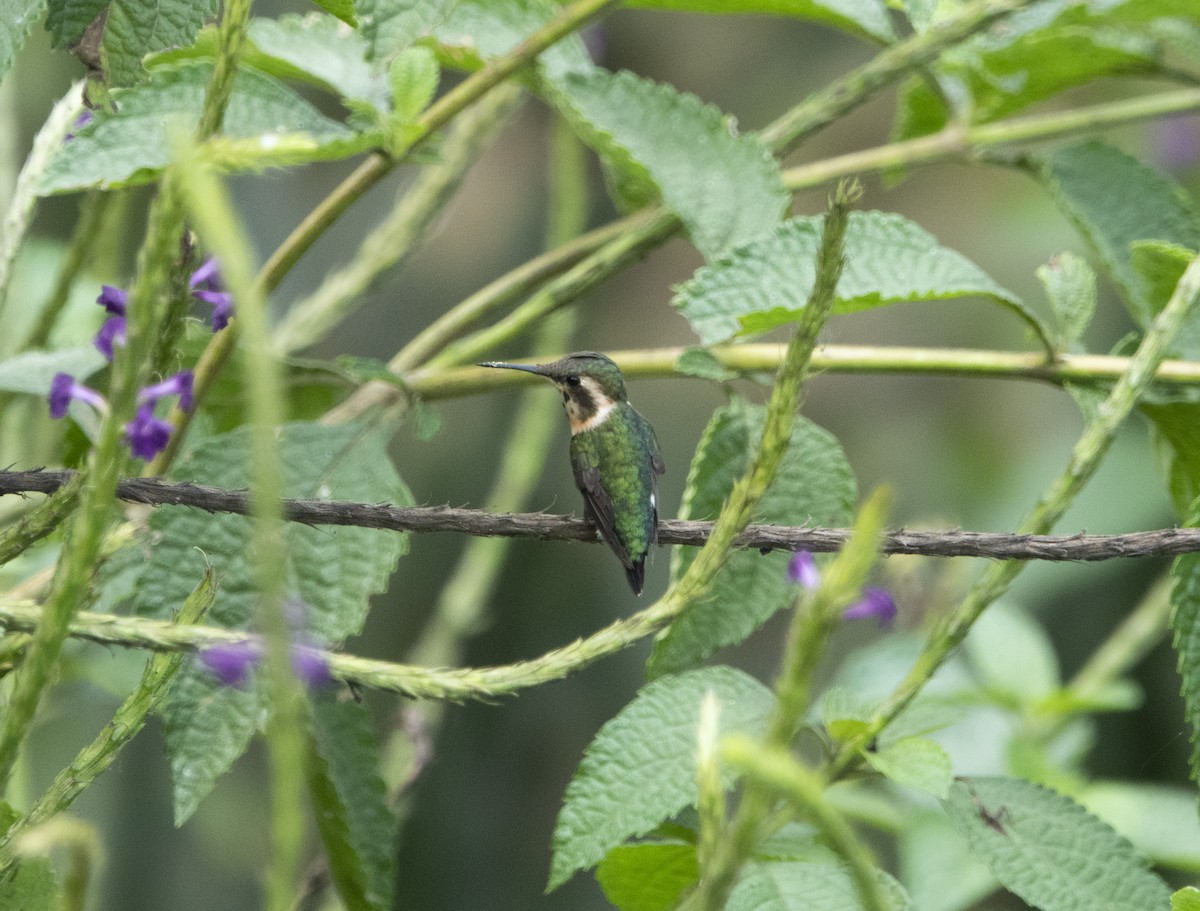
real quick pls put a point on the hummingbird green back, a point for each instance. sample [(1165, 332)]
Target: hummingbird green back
[(614, 455)]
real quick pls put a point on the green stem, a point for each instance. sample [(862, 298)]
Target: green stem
[(40, 521), (309, 319), (1086, 456), (96, 757), (660, 363), (773, 768)]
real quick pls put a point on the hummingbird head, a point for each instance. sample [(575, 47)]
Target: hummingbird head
[(590, 383)]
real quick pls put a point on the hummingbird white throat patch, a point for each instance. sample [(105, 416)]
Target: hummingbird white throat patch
[(590, 409)]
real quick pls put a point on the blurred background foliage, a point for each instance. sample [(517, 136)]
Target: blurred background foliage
[(958, 453)]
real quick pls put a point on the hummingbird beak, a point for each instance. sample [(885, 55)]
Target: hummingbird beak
[(527, 368)]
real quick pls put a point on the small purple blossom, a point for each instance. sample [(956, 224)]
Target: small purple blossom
[(81, 121), (147, 435), (64, 388), (180, 384), (875, 602), (112, 333), (802, 570), (310, 667), (207, 286), (114, 300), (232, 662)]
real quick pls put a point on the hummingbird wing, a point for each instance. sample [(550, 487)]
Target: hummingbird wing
[(599, 505)]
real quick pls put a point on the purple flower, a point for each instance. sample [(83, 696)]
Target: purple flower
[(232, 662), (207, 286), (114, 300), (63, 389), (80, 122), (875, 602), (802, 569), (180, 384), (110, 334), (147, 435), (310, 667)]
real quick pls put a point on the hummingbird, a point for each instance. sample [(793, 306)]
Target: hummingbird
[(614, 454)]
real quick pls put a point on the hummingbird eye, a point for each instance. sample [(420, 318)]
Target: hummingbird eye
[(572, 381)]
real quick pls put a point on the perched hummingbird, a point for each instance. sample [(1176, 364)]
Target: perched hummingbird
[(614, 454)]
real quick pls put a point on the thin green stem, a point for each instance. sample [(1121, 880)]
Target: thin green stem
[(96, 757), (1086, 456), (309, 319), (773, 768)]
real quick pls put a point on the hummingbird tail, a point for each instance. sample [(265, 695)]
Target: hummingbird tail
[(636, 574)]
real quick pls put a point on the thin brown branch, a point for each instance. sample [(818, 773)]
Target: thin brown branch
[(1163, 542)]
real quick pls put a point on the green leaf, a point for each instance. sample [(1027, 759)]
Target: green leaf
[(334, 571), (350, 801), (1115, 200), (128, 31), (1049, 850), (474, 31), (648, 877), (17, 18), (132, 145), (844, 713), (868, 18), (1012, 655), (935, 865), (703, 363), (803, 886), (914, 762), (390, 26), (1160, 820), (815, 485), (641, 767), (319, 49), (725, 187), (1177, 436), (1186, 899), (414, 78), (1070, 286), (1185, 626), (767, 282), (33, 371), (32, 887), (343, 9)]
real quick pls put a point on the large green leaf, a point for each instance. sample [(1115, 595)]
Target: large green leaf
[(765, 283), (129, 29), (1159, 819), (16, 20), (815, 485), (390, 26), (806, 886), (641, 767), (864, 17), (1049, 850), (1115, 200), (650, 876), (474, 31), (131, 145), (350, 799), (725, 187), (334, 571)]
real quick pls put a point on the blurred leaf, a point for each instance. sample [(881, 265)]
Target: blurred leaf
[(334, 571), (342, 9), (476, 30), (390, 26), (17, 18), (913, 762), (703, 363), (319, 49), (868, 18), (350, 800), (128, 31), (1070, 286), (766, 283), (937, 869), (33, 371), (1012, 654), (844, 713), (1186, 899), (648, 877), (801, 886), (641, 767), (132, 145), (1160, 820), (413, 79), (1177, 436), (815, 485), (726, 188), (1185, 625), (33, 886), (1049, 850), (1115, 200)]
